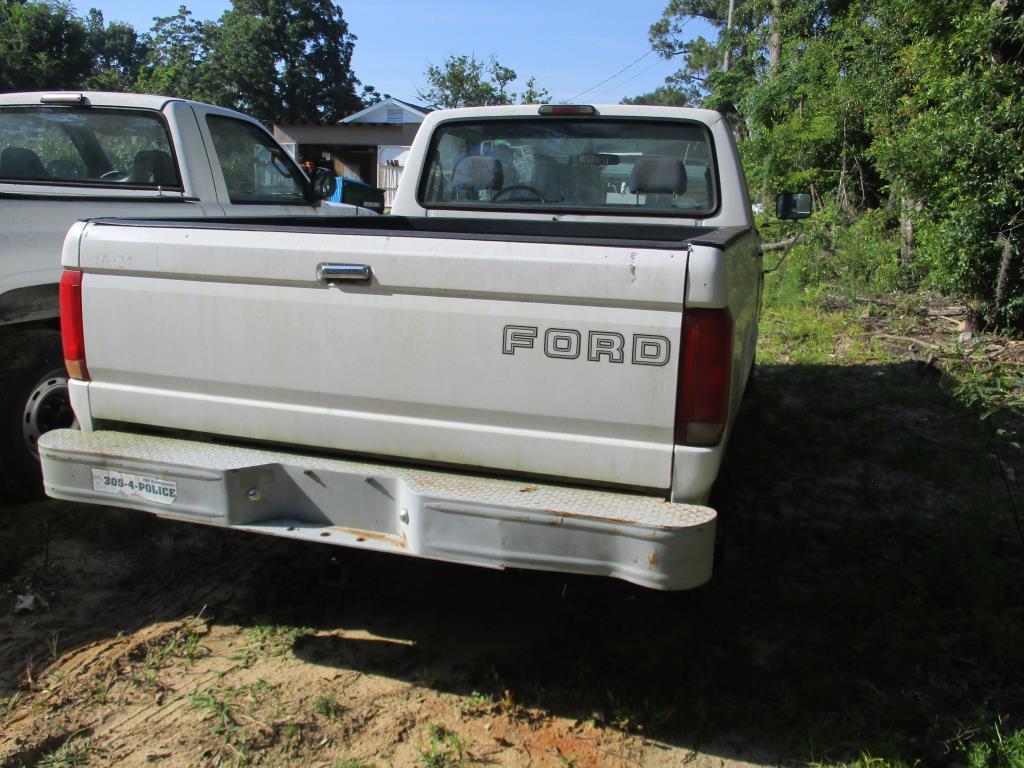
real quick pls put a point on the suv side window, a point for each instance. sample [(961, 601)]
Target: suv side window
[(255, 168), (92, 147)]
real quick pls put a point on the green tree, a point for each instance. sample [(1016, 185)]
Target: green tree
[(277, 60), (287, 60), (180, 60), (42, 46), (534, 94), (663, 96), (118, 53), (954, 141), (900, 112), (465, 81)]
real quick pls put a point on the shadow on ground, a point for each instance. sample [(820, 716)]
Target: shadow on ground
[(869, 598)]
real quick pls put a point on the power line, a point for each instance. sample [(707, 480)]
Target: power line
[(634, 77), (635, 62), (591, 88)]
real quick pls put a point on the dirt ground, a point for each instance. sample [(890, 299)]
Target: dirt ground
[(167, 644), (867, 600)]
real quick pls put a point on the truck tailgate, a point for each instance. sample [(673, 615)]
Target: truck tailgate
[(554, 359)]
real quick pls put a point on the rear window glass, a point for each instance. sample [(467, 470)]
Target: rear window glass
[(256, 169), (95, 147), (593, 165)]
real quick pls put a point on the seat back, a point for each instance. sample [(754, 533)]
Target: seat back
[(153, 166), (475, 174), (658, 175), (21, 163)]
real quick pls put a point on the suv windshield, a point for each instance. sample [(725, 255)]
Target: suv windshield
[(95, 147), (591, 164)]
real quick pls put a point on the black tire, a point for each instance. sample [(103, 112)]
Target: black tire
[(751, 388), (33, 400)]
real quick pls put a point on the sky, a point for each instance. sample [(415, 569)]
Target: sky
[(570, 46)]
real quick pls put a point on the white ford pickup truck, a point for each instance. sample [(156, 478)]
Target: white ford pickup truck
[(534, 363), (74, 155)]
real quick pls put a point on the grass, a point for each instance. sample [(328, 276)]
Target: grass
[(995, 749), (184, 644), (637, 715), (477, 704), (939, 578), (990, 748), (801, 333), (104, 688), (443, 750), (215, 706), (233, 712), (985, 385), (818, 307), (73, 752), (9, 703), (264, 641), (327, 706)]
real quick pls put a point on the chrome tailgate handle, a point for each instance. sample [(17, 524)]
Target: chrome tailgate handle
[(335, 273)]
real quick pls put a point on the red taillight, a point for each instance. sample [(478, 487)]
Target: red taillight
[(705, 377), (71, 329)]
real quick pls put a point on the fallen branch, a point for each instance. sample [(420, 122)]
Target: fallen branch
[(781, 245), (874, 300), (909, 339)]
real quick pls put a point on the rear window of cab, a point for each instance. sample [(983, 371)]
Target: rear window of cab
[(126, 149), (541, 164)]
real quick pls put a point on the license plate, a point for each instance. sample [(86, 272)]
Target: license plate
[(136, 486)]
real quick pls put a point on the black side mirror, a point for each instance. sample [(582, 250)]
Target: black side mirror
[(363, 195), (324, 184), (793, 205)]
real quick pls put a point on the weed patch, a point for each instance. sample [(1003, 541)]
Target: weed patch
[(73, 752), (236, 718), (263, 642), (327, 706), (444, 749)]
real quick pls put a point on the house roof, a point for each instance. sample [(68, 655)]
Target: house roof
[(383, 110)]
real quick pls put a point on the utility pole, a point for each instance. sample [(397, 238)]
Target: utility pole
[(728, 28)]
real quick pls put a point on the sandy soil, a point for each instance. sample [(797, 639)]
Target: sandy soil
[(167, 644)]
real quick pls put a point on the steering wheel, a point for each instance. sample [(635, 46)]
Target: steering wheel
[(519, 188), (113, 176)]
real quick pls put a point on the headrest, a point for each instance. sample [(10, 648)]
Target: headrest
[(153, 166), (477, 172), (655, 174), (21, 163)]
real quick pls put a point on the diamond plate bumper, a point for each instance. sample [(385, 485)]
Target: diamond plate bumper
[(450, 516)]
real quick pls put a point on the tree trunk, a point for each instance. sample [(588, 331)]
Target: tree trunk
[(1004, 268), (774, 53), (908, 207), (728, 30), (774, 37)]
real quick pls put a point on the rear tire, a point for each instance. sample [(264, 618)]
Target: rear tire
[(33, 400)]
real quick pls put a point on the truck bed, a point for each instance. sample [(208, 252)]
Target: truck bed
[(623, 234)]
